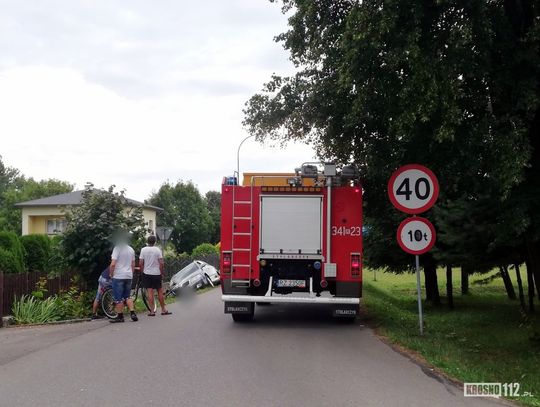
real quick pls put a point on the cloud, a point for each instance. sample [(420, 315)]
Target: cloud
[(137, 47), (135, 93), (82, 131)]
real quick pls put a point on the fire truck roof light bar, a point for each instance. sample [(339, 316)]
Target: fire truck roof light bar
[(290, 299)]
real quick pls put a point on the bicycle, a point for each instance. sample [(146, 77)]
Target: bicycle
[(107, 299)]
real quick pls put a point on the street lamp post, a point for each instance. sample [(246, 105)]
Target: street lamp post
[(238, 156)]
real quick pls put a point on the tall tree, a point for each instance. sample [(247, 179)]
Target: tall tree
[(186, 212), (91, 228), (213, 203), (452, 84), (8, 175)]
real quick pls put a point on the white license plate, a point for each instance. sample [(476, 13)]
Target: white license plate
[(292, 283)]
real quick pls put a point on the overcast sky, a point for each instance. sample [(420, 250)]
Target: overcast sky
[(135, 93)]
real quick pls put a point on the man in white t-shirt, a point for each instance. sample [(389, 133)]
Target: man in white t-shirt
[(151, 265), (121, 270)]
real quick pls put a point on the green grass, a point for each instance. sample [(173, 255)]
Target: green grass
[(486, 338)]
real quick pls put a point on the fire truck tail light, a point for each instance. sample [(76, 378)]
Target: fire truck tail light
[(227, 257), (324, 283), (355, 264), (257, 282)]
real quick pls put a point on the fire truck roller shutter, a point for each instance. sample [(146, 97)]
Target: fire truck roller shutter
[(291, 224)]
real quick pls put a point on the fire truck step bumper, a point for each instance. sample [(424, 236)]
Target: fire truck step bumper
[(290, 299)]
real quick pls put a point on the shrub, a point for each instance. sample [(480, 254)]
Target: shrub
[(38, 252), (9, 263), (56, 263), (41, 289), (36, 309), (74, 304), (31, 310), (204, 249), (13, 262)]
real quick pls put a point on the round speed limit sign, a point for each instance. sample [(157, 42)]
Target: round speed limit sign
[(413, 189), (416, 235)]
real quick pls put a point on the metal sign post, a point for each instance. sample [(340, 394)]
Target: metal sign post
[(164, 234), (413, 189), (419, 295), (416, 236)]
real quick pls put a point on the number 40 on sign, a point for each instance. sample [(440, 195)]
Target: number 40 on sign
[(413, 189)]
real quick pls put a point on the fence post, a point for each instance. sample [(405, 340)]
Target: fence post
[(1, 299)]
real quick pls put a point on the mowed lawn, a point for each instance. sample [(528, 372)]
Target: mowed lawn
[(486, 338)]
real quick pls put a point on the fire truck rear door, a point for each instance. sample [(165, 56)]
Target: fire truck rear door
[(291, 224)]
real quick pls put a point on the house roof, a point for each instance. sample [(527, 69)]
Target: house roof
[(72, 198)]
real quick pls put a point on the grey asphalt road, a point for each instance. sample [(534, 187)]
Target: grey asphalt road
[(290, 356)]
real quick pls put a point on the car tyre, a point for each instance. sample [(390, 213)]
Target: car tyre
[(345, 320), (244, 317)]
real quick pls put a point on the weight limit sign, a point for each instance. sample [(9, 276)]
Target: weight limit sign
[(416, 235)]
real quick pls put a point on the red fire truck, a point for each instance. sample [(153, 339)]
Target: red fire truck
[(292, 239)]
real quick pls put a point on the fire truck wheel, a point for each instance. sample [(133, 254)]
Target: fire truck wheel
[(346, 320), (242, 317)]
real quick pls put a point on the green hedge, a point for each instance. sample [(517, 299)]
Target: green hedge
[(204, 249), (38, 252), (57, 263), (9, 262), (11, 253)]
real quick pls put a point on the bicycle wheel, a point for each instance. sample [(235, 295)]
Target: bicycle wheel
[(144, 295), (107, 304)]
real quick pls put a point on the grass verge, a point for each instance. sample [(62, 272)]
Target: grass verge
[(486, 338)]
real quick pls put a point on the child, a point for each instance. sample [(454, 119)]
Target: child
[(104, 282)]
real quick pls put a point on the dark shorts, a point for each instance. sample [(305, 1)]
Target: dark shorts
[(121, 289), (151, 281)]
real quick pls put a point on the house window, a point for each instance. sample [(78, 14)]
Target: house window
[(56, 226), (151, 225)]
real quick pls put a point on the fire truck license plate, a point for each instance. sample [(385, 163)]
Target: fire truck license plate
[(292, 283)]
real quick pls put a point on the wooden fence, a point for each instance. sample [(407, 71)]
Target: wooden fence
[(14, 286)]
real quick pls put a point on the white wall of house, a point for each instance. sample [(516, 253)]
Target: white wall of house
[(150, 216)]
